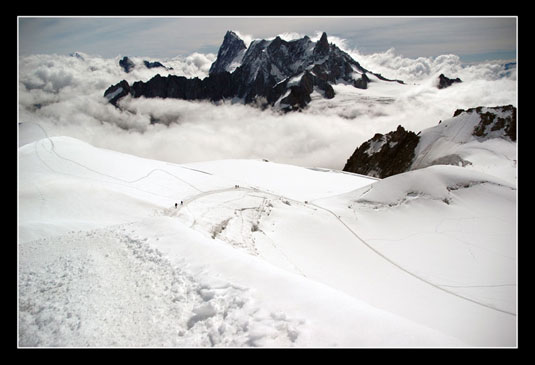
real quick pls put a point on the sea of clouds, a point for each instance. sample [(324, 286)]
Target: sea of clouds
[(64, 94)]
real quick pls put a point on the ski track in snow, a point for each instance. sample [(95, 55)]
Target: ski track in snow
[(108, 287), (437, 286)]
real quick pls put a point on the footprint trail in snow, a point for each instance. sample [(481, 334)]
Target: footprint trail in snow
[(108, 287)]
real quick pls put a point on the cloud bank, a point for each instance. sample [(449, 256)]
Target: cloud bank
[(64, 94)]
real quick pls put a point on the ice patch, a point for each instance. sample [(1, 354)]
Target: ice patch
[(115, 93)]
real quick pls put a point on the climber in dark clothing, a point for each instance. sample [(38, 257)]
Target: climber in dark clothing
[(176, 205)]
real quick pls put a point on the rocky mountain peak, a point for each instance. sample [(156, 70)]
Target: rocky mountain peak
[(127, 64), (444, 82), (231, 36), (276, 72), (230, 52)]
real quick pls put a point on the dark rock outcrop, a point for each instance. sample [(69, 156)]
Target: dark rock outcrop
[(179, 87), (155, 64), (127, 64), (444, 82), (268, 73), (384, 155), (115, 92)]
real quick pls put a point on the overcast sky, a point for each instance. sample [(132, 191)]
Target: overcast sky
[(471, 38)]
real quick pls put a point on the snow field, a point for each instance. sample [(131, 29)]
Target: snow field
[(282, 260), (452, 228), (453, 140), (284, 180), (317, 315), (307, 240)]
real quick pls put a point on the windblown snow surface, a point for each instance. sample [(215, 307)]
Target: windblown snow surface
[(261, 253)]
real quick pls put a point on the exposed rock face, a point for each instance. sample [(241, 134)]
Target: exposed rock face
[(115, 92), (155, 64), (384, 155), (322, 47), (444, 82), (127, 64), (229, 55), (271, 72), (299, 95)]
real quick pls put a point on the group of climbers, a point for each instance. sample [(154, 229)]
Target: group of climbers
[(182, 202)]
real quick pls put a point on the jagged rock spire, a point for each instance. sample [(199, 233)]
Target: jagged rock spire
[(231, 49), (322, 46)]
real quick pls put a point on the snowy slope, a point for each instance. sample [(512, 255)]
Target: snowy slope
[(454, 141), (259, 254), (449, 227)]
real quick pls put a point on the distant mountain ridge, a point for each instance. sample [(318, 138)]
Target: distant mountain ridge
[(273, 72)]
